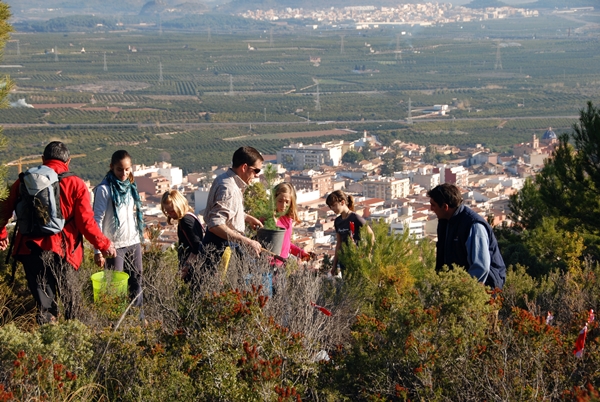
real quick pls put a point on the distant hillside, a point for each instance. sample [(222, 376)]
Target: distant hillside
[(191, 21), (160, 6), (102, 6), (564, 4), (242, 5), (75, 23), (485, 3), (217, 22)]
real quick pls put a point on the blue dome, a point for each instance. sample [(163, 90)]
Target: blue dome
[(549, 134)]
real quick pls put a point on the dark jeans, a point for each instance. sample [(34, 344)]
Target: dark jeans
[(129, 259), (214, 242), (48, 276)]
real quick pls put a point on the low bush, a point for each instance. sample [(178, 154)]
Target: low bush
[(398, 330)]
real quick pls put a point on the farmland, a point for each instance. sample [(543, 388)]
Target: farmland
[(193, 97)]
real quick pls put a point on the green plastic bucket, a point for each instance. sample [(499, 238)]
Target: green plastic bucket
[(111, 282)]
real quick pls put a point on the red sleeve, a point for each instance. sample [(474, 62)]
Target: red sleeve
[(7, 207), (297, 251), (84, 215)]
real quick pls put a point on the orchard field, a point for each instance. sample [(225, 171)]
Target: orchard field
[(503, 80)]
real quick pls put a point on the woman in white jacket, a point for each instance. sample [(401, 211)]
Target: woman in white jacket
[(118, 212)]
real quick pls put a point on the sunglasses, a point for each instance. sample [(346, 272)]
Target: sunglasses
[(255, 170)]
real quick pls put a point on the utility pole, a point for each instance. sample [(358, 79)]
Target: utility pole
[(160, 76), (498, 65), (18, 49), (105, 67), (265, 114), (398, 55), (409, 119), (308, 118), (342, 45), (208, 34), (160, 25), (271, 37), (230, 85), (55, 53)]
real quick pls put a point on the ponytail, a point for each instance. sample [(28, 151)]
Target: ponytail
[(350, 202)]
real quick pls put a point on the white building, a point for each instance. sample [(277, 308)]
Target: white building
[(173, 174), (299, 156), (386, 188), (416, 229), (387, 215), (427, 180), (454, 174), (200, 199), (303, 196)]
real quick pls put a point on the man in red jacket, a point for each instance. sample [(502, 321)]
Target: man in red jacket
[(49, 260)]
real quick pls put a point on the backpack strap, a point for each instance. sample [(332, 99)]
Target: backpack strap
[(12, 240), (68, 173), (13, 265), (61, 176)]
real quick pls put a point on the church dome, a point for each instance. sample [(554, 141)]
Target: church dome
[(549, 134)]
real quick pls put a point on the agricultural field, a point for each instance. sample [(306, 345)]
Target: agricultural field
[(179, 95)]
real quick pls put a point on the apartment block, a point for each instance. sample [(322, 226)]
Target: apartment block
[(454, 174), (311, 180), (299, 156), (427, 180), (153, 183), (386, 188)]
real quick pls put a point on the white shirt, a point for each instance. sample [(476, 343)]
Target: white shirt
[(127, 233)]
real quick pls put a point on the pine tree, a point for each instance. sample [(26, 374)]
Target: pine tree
[(5, 83), (568, 186)]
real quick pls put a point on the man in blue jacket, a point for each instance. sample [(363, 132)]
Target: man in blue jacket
[(465, 238)]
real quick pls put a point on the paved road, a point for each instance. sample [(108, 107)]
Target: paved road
[(274, 123)]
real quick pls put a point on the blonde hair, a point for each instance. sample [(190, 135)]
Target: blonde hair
[(287, 188), (179, 203), (339, 195)]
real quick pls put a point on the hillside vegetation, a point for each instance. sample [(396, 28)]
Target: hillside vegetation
[(398, 330)]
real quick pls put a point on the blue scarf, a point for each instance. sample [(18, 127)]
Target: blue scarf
[(118, 191)]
